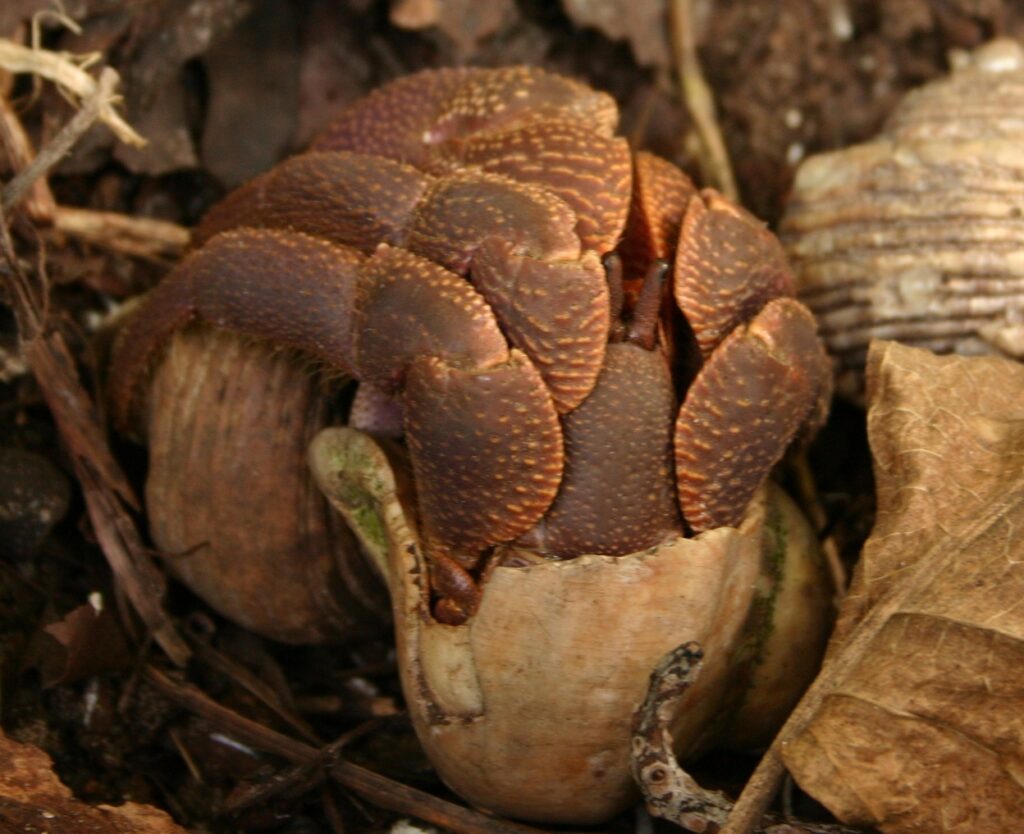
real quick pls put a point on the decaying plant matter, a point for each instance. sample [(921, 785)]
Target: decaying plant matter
[(536, 555), (924, 730), (34, 797), (915, 236)]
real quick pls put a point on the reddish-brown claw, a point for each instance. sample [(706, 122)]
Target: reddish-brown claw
[(521, 122), (557, 313), (589, 170), (728, 266), (462, 210), (748, 402), (486, 448), (459, 594), (406, 307), (394, 320), (349, 198), (515, 240), (517, 243)]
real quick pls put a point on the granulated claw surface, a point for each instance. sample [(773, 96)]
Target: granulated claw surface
[(727, 268), (442, 244), (756, 391), (487, 471)]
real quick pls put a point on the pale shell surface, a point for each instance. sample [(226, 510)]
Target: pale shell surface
[(918, 235)]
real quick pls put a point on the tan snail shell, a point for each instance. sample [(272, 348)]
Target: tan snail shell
[(231, 503), (918, 236), (525, 710)]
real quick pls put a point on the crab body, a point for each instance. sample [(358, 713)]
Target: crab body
[(357, 254)]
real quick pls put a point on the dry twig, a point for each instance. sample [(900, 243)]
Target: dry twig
[(699, 101), (242, 677), (39, 204), (62, 70), (670, 792), (104, 486), (139, 237), (384, 792), (56, 148), (807, 495)]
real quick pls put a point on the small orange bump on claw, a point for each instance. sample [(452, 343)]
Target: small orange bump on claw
[(749, 401)]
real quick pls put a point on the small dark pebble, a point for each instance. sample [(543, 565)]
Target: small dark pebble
[(33, 498)]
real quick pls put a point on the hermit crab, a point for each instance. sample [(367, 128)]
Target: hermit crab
[(525, 303)]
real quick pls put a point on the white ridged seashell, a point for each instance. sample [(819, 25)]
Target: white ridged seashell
[(918, 236)]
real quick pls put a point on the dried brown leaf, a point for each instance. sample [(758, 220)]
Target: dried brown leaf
[(169, 145), (88, 641), (921, 725), (32, 798), (334, 69), (160, 39)]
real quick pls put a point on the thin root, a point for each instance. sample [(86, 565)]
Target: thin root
[(696, 94)]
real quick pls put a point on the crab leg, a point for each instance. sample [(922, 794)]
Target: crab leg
[(287, 288), (765, 375), (411, 117), (728, 266), (661, 193), (618, 490), (618, 493), (516, 241), (523, 123), (401, 323), (591, 172), (748, 402), (486, 448)]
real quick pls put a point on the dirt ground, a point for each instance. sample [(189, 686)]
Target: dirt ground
[(225, 88)]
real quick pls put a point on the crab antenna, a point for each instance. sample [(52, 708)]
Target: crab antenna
[(643, 326), (613, 274)]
